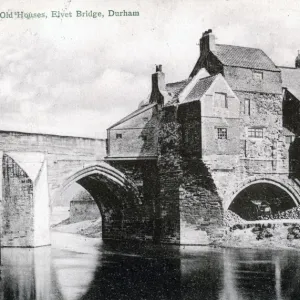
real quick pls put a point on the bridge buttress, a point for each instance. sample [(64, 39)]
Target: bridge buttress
[(25, 202)]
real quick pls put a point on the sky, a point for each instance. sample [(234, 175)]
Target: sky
[(77, 76)]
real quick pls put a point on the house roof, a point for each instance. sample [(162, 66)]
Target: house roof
[(200, 88), (291, 80), (244, 57), (133, 114), (175, 88)]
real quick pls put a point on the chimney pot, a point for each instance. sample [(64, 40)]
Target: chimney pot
[(207, 42), (158, 86), (158, 68)]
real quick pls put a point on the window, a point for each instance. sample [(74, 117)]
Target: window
[(255, 132), (221, 100), (118, 135), (289, 139), (247, 107), (257, 75), (222, 133)]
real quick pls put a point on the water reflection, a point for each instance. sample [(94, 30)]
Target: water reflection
[(27, 274), (80, 268)]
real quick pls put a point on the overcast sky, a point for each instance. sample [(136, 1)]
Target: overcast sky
[(78, 76)]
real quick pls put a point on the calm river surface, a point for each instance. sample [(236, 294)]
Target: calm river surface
[(75, 267)]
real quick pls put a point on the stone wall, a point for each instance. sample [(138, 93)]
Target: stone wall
[(189, 202), (170, 175), (83, 210), (141, 219), (25, 198), (242, 79), (290, 107), (268, 156), (271, 150), (190, 121), (52, 144), (136, 137), (18, 206), (25, 203)]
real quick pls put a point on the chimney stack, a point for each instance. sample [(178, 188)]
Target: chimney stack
[(207, 42), (297, 61), (159, 92)]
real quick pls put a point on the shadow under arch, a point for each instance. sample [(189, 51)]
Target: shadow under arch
[(247, 199), (116, 196)]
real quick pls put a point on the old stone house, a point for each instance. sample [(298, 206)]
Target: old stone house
[(215, 141)]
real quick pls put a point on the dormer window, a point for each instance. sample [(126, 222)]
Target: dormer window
[(221, 100), (257, 75)]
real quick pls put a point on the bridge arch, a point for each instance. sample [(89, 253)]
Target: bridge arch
[(116, 196), (103, 169), (280, 193)]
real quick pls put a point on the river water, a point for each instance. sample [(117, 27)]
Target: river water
[(75, 267)]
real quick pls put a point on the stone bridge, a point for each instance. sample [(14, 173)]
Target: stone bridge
[(136, 199), (38, 168), (35, 167)]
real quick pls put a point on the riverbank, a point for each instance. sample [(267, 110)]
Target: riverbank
[(262, 236), (281, 232), (89, 228), (271, 234)]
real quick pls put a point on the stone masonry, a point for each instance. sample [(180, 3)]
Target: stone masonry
[(219, 133), (223, 138)]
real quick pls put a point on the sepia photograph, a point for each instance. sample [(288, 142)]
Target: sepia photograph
[(150, 150)]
